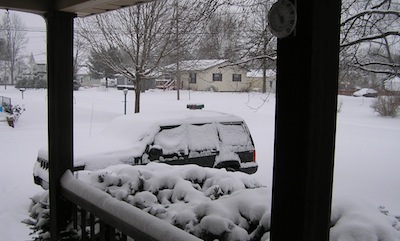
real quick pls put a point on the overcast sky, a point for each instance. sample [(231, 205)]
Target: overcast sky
[(35, 28)]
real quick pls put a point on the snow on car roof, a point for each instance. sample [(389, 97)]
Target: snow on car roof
[(139, 124), (128, 135)]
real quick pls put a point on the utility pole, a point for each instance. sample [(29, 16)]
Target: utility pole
[(265, 43), (7, 63), (178, 72)]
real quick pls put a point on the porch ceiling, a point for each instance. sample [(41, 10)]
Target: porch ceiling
[(80, 7)]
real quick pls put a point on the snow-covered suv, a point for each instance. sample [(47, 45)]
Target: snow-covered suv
[(205, 138)]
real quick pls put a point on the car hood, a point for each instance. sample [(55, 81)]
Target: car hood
[(109, 148)]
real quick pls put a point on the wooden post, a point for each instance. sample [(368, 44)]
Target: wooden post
[(60, 111), (306, 107)]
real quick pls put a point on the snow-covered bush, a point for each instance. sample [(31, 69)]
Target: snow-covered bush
[(39, 220), (354, 220), (214, 204), (39, 216), (386, 105), (31, 83), (16, 113)]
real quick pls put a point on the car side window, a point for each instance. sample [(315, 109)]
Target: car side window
[(172, 140), (203, 137)]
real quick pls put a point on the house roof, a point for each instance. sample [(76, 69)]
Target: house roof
[(196, 64)]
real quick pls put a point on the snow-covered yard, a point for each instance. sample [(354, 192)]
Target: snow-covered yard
[(367, 153)]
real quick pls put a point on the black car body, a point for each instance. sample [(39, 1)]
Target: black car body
[(205, 138)]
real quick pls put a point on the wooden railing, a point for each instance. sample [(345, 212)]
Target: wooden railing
[(117, 219)]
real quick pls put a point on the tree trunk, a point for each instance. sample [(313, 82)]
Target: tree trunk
[(138, 89)]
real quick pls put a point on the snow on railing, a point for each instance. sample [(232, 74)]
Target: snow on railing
[(122, 216)]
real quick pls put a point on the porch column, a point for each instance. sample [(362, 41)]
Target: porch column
[(306, 107), (60, 111)]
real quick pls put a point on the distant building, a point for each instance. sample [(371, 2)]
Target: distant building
[(32, 70), (210, 75), (256, 79), (84, 78)]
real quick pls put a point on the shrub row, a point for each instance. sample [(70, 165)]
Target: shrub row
[(387, 105), (31, 84)]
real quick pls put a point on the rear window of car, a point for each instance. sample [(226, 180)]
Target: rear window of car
[(233, 134), (187, 138)]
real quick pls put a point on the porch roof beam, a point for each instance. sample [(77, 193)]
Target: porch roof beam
[(81, 8)]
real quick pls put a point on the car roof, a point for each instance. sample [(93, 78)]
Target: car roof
[(128, 135), (137, 126)]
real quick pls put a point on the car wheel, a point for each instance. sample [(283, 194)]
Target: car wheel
[(154, 154), (230, 166), (230, 169)]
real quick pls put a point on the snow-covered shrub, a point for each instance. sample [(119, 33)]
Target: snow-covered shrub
[(386, 105), (31, 83), (39, 220), (40, 84), (21, 83), (354, 220), (214, 204), (17, 111)]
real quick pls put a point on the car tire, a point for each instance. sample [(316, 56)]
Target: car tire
[(155, 154), (229, 165), (230, 169)]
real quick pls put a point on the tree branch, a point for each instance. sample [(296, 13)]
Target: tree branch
[(369, 38)]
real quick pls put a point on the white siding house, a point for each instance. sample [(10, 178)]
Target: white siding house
[(211, 75), (255, 77)]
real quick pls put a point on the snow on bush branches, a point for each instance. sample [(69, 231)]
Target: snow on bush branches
[(209, 203), (214, 204)]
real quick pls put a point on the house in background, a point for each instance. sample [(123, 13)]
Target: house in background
[(23, 69), (41, 71), (211, 75), (148, 82), (255, 77), (84, 78)]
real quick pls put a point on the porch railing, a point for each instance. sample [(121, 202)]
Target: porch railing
[(115, 216)]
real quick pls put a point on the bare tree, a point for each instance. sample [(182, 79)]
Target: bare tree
[(190, 17), (79, 54), (370, 38), (145, 35), (142, 34), (261, 44), (15, 40), (221, 38)]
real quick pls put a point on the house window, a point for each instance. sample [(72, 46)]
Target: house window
[(192, 78), (236, 77), (217, 77)]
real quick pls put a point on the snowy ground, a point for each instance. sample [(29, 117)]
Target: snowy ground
[(367, 154)]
